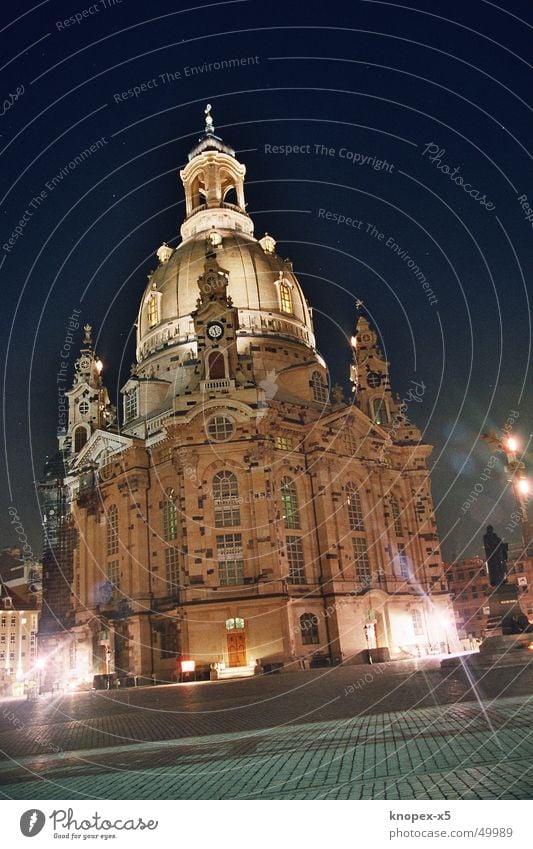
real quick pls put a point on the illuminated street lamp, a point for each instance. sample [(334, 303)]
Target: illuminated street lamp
[(509, 444)]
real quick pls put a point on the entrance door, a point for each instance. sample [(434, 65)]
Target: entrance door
[(237, 649)]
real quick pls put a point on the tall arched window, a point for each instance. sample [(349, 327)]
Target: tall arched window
[(355, 512), (153, 311), (112, 530), (381, 412), (217, 366), (289, 503), (226, 500), (170, 520), (285, 296), (309, 629), (320, 390), (396, 516), (80, 438)]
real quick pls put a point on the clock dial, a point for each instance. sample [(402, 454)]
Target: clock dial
[(85, 363), (215, 330)]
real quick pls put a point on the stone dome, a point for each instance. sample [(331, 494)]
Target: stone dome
[(256, 276)]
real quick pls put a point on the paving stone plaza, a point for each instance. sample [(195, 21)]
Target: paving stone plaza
[(389, 731)]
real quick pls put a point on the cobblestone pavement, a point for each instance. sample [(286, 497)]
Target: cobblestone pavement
[(393, 731)]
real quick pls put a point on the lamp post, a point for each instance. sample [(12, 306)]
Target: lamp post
[(509, 444)]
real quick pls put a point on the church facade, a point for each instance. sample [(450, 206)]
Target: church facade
[(244, 516)]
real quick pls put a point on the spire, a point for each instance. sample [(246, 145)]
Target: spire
[(369, 373), (88, 403), (209, 126)]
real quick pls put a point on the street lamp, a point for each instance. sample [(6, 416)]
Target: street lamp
[(509, 444)]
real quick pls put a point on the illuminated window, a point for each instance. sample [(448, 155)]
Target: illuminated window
[(418, 622), (130, 405), (172, 569), (170, 520), (403, 562), (230, 559), (285, 296), (309, 629), (289, 503), (113, 576), (295, 557), (112, 530), (320, 390), (396, 517), (153, 311), (236, 624), (381, 412), (362, 563), (284, 443), (355, 512), (220, 428), (226, 500)]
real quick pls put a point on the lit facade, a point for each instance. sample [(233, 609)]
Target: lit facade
[(245, 515)]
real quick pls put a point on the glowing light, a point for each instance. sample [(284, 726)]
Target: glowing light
[(41, 663), (523, 486), (354, 341), (512, 443), (99, 365), (188, 665), (530, 647)]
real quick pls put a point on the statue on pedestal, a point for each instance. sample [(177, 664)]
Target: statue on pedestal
[(496, 552)]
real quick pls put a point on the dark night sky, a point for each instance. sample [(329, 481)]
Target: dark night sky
[(379, 79)]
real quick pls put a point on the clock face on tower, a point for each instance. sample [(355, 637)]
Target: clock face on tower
[(215, 330), (85, 363), (374, 379)]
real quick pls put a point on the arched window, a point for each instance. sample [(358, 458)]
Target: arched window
[(153, 311), (130, 405), (355, 512), (403, 562), (381, 412), (112, 530), (226, 500), (395, 515), (217, 366), (285, 296), (80, 438), (320, 390), (170, 521), (289, 503), (309, 629)]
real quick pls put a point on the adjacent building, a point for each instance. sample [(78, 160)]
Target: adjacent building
[(245, 515)]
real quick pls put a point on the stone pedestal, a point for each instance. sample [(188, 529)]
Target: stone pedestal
[(504, 607), (502, 645)]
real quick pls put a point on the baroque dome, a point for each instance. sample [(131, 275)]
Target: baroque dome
[(261, 285), (255, 278)]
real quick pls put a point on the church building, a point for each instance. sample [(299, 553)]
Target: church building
[(241, 515)]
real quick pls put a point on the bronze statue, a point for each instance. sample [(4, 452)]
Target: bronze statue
[(496, 554)]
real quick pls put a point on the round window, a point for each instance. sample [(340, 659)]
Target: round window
[(84, 408), (220, 428)]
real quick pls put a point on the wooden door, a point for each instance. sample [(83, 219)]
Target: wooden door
[(236, 649)]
